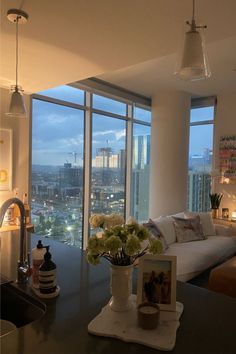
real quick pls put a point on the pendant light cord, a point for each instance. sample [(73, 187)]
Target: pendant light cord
[(193, 16), (17, 45)]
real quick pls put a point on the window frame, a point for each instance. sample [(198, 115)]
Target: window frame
[(202, 102), (131, 100)]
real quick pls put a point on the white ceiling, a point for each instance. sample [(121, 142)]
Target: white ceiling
[(131, 43)]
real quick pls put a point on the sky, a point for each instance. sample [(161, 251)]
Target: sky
[(58, 130)]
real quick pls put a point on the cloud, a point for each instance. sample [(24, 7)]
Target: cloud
[(120, 134)]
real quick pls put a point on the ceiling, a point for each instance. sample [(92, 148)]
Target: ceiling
[(131, 43)]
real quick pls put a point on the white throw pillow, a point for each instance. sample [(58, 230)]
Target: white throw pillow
[(189, 229), (206, 221), (166, 226)]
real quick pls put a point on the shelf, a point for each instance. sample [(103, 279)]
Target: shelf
[(4, 228)]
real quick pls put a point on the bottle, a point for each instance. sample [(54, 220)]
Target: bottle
[(16, 208), (27, 208), (37, 259), (47, 274)]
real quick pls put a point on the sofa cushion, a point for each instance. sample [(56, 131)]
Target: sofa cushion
[(166, 226), (156, 232), (195, 257), (188, 229), (206, 220)]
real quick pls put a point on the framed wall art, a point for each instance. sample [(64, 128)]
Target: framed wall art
[(6, 159), (157, 281)]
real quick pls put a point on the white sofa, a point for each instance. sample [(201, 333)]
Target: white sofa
[(196, 256)]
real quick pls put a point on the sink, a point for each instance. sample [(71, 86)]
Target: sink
[(18, 307)]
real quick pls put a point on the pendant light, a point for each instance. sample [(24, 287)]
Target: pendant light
[(194, 62), (17, 104)]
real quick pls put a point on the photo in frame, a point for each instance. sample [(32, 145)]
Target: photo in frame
[(157, 281), (6, 159), (225, 213)]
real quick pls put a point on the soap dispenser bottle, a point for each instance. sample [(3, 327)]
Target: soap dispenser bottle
[(47, 274), (37, 259)]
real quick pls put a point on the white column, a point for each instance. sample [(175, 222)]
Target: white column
[(169, 153)]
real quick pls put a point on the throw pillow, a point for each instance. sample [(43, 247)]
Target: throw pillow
[(155, 232), (166, 226), (188, 229), (206, 221)]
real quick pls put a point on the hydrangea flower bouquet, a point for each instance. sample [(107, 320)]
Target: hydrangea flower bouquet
[(119, 242)]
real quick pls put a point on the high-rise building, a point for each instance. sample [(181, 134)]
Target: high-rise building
[(140, 177), (103, 157), (70, 179), (141, 151), (199, 187)]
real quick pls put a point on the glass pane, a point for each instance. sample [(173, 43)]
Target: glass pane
[(201, 114), (200, 165), (142, 114), (109, 105), (108, 165), (65, 93), (140, 172), (57, 171)]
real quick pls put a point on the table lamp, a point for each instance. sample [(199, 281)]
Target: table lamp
[(233, 216)]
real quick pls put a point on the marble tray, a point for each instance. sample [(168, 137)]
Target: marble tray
[(123, 325)]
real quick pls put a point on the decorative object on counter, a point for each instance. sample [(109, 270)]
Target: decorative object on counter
[(27, 208), (9, 216), (121, 244), (148, 315), (17, 104), (227, 159), (215, 199), (157, 281), (225, 213), (47, 276), (233, 216), (37, 259), (124, 326)]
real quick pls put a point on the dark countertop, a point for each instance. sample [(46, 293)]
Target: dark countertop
[(206, 326)]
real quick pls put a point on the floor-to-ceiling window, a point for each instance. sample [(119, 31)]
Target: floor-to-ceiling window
[(111, 170), (200, 154), (57, 171)]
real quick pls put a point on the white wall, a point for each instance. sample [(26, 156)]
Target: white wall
[(225, 124), (20, 128), (169, 152)]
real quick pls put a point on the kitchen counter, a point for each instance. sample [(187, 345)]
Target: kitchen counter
[(206, 326)]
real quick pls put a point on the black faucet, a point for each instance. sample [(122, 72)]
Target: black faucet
[(23, 270)]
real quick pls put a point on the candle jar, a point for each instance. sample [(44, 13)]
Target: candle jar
[(148, 315)]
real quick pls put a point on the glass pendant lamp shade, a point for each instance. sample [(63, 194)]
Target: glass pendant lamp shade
[(17, 104), (194, 61)]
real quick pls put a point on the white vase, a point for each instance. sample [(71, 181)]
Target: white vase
[(121, 287)]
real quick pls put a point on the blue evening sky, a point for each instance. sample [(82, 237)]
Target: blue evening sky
[(58, 130)]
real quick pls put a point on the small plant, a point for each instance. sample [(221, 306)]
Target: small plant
[(215, 199)]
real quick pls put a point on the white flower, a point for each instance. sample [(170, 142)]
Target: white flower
[(97, 220)]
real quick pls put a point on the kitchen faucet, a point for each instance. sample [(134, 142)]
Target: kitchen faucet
[(23, 270)]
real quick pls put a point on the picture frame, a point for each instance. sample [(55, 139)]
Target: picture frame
[(225, 213), (6, 153), (157, 281)]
